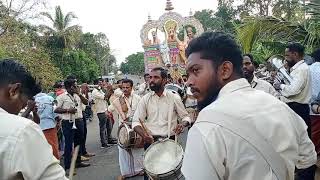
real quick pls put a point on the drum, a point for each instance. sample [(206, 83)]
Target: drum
[(163, 160), (128, 138)]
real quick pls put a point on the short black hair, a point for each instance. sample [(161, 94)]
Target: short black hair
[(146, 74), (128, 81), (184, 75), (58, 84), (296, 47), (316, 55), (218, 47), (163, 72), (119, 81), (12, 71), (71, 76), (255, 63), (68, 83), (106, 79)]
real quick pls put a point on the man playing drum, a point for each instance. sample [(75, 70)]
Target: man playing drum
[(158, 111), (130, 160), (240, 133)]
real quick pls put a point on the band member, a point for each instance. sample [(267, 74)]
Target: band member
[(100, 100), (297, 94), (248, 72), (159, 111), (24, 151), (144, 87), (130, 160), (260, 138), (69, 106)]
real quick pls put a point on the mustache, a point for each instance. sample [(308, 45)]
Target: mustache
[(194, 89)]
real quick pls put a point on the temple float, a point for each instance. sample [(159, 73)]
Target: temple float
[(166, 39)]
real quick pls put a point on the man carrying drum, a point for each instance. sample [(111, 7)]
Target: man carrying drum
[(130, 160), (158, 111)]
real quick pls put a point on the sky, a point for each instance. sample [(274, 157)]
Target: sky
[(122, 20)]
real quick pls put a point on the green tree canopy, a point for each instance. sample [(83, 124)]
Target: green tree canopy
[(134, 64)]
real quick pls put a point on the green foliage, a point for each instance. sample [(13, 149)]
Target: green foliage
[(134, 64), (79, 64)]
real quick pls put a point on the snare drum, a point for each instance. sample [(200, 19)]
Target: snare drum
[(163, 160), (128, 138)]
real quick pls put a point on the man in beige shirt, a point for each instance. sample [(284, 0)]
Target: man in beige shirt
[(248, 72), (69, 106), (160, 110)]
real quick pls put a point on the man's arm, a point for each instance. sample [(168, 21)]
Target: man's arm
[(182, 113), (296, 86), (33, 147), (140, 115), (196, 151)]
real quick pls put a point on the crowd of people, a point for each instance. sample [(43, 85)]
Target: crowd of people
[(241, 126)]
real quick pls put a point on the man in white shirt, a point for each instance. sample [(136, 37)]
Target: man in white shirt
[(218, 151), (144, 87), (100, 99), (248, 72), (24, 151), (125, 105), (159, 109)]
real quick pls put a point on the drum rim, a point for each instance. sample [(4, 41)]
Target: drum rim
[(127, 128), (169, 172)]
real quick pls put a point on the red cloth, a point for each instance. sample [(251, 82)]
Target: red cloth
[(52, 138), (315, 128)]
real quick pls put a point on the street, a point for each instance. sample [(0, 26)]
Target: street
[(104, 166)]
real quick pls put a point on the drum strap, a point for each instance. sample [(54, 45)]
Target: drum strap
[(254, 138)]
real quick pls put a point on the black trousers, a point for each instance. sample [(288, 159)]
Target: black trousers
[(83, 149), (147, 145), (71, 136), (303, 110)]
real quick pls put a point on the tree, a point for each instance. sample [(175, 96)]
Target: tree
[(134, 64), (61, 26), (290, 10), (18, 44)]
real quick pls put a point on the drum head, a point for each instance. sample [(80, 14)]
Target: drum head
[(162, 157), (123, 135)]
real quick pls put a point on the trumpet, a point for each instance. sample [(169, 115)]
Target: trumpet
[(282, 74)]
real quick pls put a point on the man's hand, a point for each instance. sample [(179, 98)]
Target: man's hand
[(277, 86), (180, 127), (31, 104), (315, 108), (72, 110), (148, 139)]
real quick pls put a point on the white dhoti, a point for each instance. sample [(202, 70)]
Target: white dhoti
[(131, 161)]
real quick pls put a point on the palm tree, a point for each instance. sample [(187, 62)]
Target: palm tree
[(61, 26)]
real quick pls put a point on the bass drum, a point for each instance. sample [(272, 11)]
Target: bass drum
[(163, 160)]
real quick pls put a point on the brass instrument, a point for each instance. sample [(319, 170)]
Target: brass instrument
[(282, 74)]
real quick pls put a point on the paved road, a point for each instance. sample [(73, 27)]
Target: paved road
[(104, 166)]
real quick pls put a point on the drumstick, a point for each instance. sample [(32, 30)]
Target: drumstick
[(144, 126), (73, 162)]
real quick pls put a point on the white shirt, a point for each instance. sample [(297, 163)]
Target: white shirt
[(67, 101), (263, 85), (24, 149), (300, 88), (155, 110), (99, 100), (143, 90), (220, 154)]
